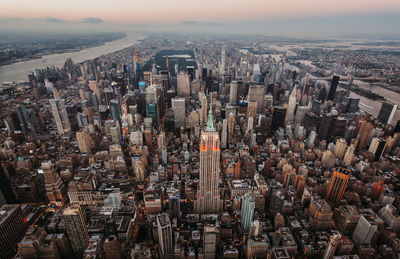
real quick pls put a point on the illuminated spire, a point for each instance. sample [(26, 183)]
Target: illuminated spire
[(210, 124)]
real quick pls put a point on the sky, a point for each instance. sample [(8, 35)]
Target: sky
[(280, 17)]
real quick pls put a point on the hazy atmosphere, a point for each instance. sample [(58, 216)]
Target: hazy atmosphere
[(308, 18)]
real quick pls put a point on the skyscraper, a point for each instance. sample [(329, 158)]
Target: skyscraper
[(278, 118), (365, 133), (203, 114), (138, 169), (233, 93), (115, 111), (349, 133), (178, 105), (324, 126), (377, 147), (75, 225), (332, 89), (60, 116), (340, 148), (224, 133), (55, 189), (387, 112), (183, 85), (256, 93), (12, 229), (251, 109), (208, 196), (209, 241), (84, 141), (174, 204), (364, 231), (247, 211), (5, 188), (164, 233), (348, 156), (231, 126), (223, 58), (337, 185), (23, 118), (292, 105)]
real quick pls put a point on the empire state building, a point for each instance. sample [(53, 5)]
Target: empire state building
[(208, 195)]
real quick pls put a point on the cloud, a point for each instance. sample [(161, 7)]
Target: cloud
[(92, 20), (50, 19), (202, 23)]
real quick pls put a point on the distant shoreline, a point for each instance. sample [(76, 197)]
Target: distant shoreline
[(18, 72), (60, 51)]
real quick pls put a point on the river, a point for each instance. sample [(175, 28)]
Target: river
[(373, 107), (367, 105), (19, 71)]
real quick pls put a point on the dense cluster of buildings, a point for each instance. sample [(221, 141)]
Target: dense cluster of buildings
[(238, 156)]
